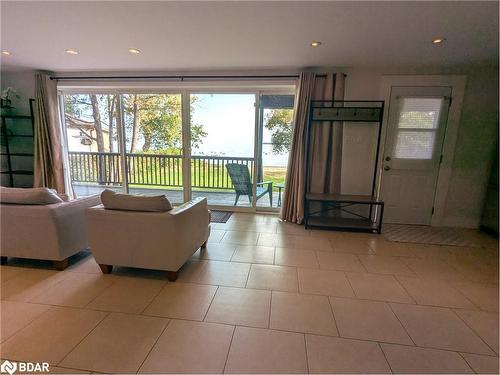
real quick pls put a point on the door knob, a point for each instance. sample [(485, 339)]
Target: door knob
[(387, 168), (387, 158)]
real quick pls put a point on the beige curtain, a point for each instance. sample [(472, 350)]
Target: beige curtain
[(326, 143), (49, 169), (326, 140)]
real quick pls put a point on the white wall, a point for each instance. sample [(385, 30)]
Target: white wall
[(24, 83)]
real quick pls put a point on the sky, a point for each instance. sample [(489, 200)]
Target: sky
[(229, 120)]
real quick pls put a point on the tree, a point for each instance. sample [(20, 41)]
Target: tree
[(135, 124), (111, 116), (158, 119), (279, 122), (97, 122)]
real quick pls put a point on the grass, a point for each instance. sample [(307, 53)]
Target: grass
[(275, 174), (212, 178)]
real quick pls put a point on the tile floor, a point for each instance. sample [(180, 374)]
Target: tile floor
[(264, 297)]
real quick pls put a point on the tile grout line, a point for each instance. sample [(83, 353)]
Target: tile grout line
[(350, 284), (396, 279), (361, 262), (333, 314), (29, 323), (468, 364), (385, 356), (270, 310), (87, 335), (229, 350), (101, 293), (154, 344), (463, 294), (152, 300), (473, 330), (210, 304), (306, 353), (248, 276), (401, 323)]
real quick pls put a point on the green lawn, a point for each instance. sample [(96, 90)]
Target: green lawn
[(203, 178)]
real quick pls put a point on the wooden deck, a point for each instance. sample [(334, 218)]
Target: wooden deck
[(219, 198)]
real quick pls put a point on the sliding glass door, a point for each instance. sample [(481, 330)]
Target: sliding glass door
[(153, 147), (93, 142), (275, 136), (230, 147), (222, 134)]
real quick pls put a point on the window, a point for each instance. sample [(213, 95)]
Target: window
[(417, 126), (137, 141)]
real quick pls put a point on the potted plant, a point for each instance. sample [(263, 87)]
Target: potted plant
[(6, 99)]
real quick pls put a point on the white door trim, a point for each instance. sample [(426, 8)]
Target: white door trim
[(457, 85)]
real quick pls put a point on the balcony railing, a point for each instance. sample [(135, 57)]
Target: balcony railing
[(105, 168)]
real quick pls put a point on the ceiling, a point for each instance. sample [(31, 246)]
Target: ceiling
[(192, 36)]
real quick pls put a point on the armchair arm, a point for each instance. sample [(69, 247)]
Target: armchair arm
[(69, 220), (191, 228), (192, 215), (268, 183), (196, 202)]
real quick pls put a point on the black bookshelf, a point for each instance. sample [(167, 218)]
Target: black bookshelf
[(8, 125)]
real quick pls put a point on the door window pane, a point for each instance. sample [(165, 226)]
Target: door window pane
[(153, 133), (93, 143), (222, 148), (418, 122), (277, 129), (420, 113), (414, 145)]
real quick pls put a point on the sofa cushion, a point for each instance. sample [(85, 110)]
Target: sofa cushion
[(30, 196), (126, 202)]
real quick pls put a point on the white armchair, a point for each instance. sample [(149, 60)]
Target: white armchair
[(152, 240), (45, 231)]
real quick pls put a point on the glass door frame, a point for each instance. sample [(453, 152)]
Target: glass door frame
[(188, 150), (259, 133), (216, 87)]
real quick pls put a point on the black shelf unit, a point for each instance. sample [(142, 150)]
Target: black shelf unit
[(6, 144), (363, 213)]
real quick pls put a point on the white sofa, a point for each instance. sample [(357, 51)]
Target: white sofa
[(44, 231), (152, 240)]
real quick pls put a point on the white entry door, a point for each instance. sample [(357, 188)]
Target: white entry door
[(413, 152)]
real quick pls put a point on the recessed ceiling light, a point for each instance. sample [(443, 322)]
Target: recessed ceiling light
[(6, 53), (72, 51), (135, 51), (438, 40), (315, 44)]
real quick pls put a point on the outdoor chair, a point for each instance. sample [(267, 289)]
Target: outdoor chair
[(240, 177)]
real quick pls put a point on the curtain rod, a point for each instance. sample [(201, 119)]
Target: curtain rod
[(181, 77)]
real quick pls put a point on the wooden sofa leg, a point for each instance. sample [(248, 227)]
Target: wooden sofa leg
[(106, 268), (3, 260), (172, 275), (60, 264)]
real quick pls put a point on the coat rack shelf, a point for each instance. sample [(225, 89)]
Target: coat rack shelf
[(339, 211), (15, 153)]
